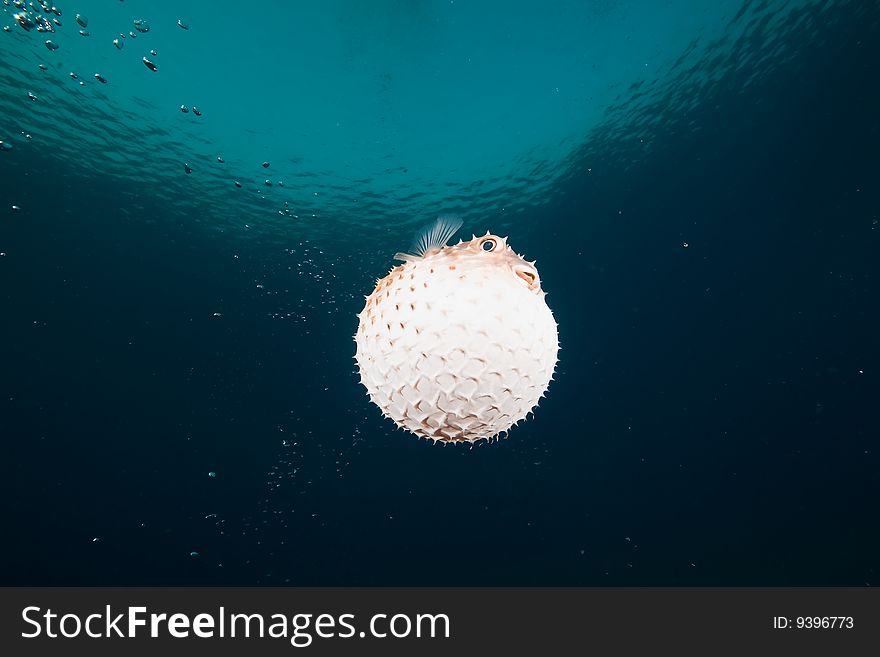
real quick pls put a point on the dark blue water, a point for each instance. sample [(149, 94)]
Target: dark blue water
[(699, 187)]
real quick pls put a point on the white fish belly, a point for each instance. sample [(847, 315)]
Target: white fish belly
[(455, 355)]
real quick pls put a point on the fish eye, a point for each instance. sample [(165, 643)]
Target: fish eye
[(488, 244)]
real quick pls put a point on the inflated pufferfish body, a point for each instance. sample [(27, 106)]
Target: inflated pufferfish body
[(457, 344)]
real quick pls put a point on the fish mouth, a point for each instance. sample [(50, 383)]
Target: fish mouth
[(528, 275)]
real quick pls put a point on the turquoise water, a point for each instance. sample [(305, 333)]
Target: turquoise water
[(698, 182), (374, 115)]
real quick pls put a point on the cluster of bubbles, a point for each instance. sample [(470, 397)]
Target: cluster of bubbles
[(40, 16), (43, 17), (35, 16)]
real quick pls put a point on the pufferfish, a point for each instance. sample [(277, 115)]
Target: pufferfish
[(457, 344)]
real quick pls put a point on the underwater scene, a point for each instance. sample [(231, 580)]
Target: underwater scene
[(635, 344)]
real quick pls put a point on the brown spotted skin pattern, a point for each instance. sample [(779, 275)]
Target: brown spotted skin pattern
[(458, 345)]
